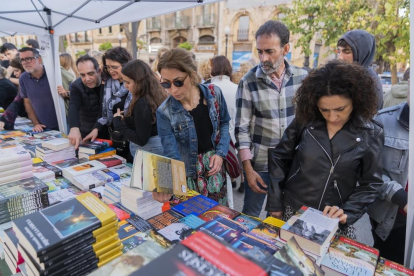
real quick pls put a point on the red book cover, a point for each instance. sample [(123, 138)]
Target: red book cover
[(106, 141), (219, 210), (387, 267), (221, 256), (110, 161), (122, 215)]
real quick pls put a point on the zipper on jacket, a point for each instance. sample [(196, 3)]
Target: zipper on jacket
[(339, 193), (330, 171), (292, 175)]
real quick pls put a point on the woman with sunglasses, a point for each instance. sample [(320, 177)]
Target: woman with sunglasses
[(115, 93), (139, 126), (190, 128)]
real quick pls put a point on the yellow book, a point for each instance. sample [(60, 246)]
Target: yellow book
[(108, 248), (274, 221), (37, 160), (105, 235), (110, 239), (110, 255), (97, 207), (107, 228)]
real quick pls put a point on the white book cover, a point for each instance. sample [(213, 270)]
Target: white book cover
[(15, 170), (121, 169), (86, 181), (12, 154), (15, 177), (84, 168), (43, 174), (57, 144), (11, 166), (48, 133)]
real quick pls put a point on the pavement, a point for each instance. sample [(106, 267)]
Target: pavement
[(362, 226)]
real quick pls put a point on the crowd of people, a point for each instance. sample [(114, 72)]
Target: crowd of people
[(317, 138)]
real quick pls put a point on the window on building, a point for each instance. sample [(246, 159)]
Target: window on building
[(316, 55), (100, 30), (121, 29), (178, 40), (110, 29), (76, 37), (206, 39), (243, 31), (155, 40)]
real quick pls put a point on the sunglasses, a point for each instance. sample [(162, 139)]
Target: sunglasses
[(177, 83)]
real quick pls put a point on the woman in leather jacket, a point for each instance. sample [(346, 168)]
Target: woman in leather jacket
[(329, 157)]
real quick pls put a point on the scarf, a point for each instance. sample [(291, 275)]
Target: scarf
[(113, 93)]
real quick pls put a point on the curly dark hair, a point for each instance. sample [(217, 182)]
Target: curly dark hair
[(117, 54), (348, 80)]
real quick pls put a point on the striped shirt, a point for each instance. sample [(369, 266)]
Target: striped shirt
[(264, 111)]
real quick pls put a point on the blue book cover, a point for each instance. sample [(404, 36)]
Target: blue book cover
[(112, 174), (253, 247), (247, 221), (195, 206), (192, 221), (224, 229)]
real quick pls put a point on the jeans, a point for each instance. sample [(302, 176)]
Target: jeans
[(253, 202), (153, 145)]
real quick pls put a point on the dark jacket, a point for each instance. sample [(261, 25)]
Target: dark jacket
[(362, 44), (84, 107), (306, 168), (8, 91)]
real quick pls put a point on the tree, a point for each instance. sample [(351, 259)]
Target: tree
[(105, 46), (131, 36), (185, 45), (302, 20)]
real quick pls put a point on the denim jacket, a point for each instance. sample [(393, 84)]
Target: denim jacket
[(178, 134), (391, 195)]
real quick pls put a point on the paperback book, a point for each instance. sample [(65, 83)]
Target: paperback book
[(219, 210), (195, 206), (388, 268)]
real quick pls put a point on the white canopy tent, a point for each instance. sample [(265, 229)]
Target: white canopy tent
[(49, 19)]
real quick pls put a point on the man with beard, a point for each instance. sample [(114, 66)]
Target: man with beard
[(85, 99), (35, 91), (264, 109)]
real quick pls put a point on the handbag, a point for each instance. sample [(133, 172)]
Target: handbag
[(231, 162), (117, 138)]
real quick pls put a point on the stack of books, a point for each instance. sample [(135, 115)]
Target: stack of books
[(81, 169), (15, 163), (55, 150), (22, 197), (112, 192), (140, 203), (92, 148), (11, 254), (104, 153), (70, 238)]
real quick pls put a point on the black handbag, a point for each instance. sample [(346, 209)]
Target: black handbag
[(117, 138)]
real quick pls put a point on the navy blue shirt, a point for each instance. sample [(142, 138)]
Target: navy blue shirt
[(39, 93)]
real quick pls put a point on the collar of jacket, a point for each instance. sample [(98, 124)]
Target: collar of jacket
[(177, 107), (349, 136), (403, 116), (261, 75)]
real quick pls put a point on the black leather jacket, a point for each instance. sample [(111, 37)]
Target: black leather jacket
[(306, 168)]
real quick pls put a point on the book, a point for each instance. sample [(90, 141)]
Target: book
[(126, 230), (276, 267), (57, 144), (223, 229), (268, 231), (195, 206), (174, 232), (219, 210), (48, 133), (66, 163), (139, 223), (10, 240), (312, 230), (13, 154), (157, 173), (192, 221), (43, 174), (14, 177), (59, 184), (249, 222), (349, 257), (44, 231), (162, 220), (87, 181), (131, 261), (105, 153), (112, 161), (12, 166), (56, 170), (93, 147), (140, 203), (122, 215), (4, 134), (387, 268), (198, 255), (17, 170), (253, 247), (292, 254), (61, 195), (84, 168)]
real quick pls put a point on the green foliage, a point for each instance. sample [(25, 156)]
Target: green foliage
[(105, 46), (80, 53), (141, 44), (185, 45), (65, 43)]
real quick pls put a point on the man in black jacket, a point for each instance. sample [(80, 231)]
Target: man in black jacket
[(85, 100)]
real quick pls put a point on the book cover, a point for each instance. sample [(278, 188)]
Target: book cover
[(11, 166), (86, 181), (43, 174), (192, 221), (111, 174), (223, 229), (162, 220), (4, 134), (57, 144), (123, 171), (195, 206), (110, 161), (84, 168), (139, 223), (276, 267), (45, 134), (126, 230), (105, 153), (267, 232), (153, 172), (388, 268), (11, 241), (93, 147), (247, 221), (61, 195), (13, 154), (56, 170), (174, 232), (59, 184), (122, 215), (16, 170), (43, 231), (131, 261), (292, 254), (219, 210), (66, 163), (255, 248), (135, 240), (14, 177)]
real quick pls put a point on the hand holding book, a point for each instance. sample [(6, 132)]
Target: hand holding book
[(335, 212)]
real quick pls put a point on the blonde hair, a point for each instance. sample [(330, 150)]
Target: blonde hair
[(160, 52), (66, 61), (3, 72), (98, 56), (204, 69)]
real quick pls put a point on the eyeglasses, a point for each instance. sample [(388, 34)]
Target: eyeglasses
[(111, 68), (177, 83), (28, 59)]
